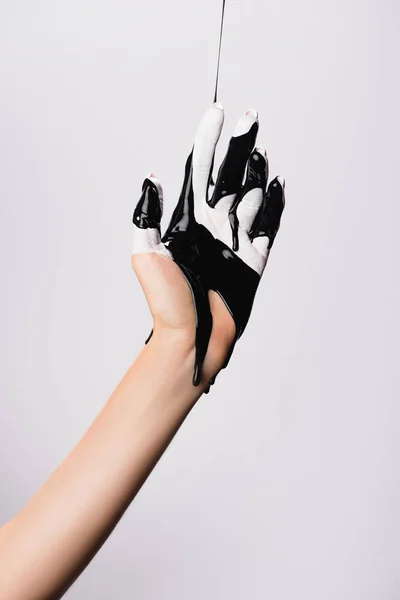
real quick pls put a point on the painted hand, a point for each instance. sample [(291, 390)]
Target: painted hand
[(219, 236)]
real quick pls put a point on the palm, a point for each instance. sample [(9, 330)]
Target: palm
[(167, 293)]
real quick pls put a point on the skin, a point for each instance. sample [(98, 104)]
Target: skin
[(46, 546)]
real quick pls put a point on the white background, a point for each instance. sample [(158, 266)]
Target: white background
[(284, 482)]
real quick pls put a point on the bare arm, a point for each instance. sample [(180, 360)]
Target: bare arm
[(46, 546), (51, 540)]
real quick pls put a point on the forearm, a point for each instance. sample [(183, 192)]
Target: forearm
[(45, 547)]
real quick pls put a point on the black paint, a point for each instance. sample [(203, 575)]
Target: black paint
[(268, 219), (215, 267), (231, 172), (185, 253), (183, 216), (256, 177), (187, 241), (148, 210), (206, 262)]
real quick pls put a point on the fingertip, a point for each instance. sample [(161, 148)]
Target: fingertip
[(251, 112), (277, 190), (153, 178), (155, 181), (258, 160), (272, 212), (281, 181), (148, 211), (246, 122), (262, 151), (211, 123)]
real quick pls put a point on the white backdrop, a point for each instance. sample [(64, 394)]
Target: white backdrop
[(284, 481)]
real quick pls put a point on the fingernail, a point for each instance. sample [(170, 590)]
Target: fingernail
[(251, 112), (281, 181), (218, 105), (153, 178), (262, 151)]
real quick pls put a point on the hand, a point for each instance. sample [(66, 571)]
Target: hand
[(218, 241)]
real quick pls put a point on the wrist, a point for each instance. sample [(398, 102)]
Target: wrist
[(174, 341), (173, 353)]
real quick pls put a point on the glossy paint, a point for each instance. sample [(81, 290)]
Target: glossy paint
[(219, 235)]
